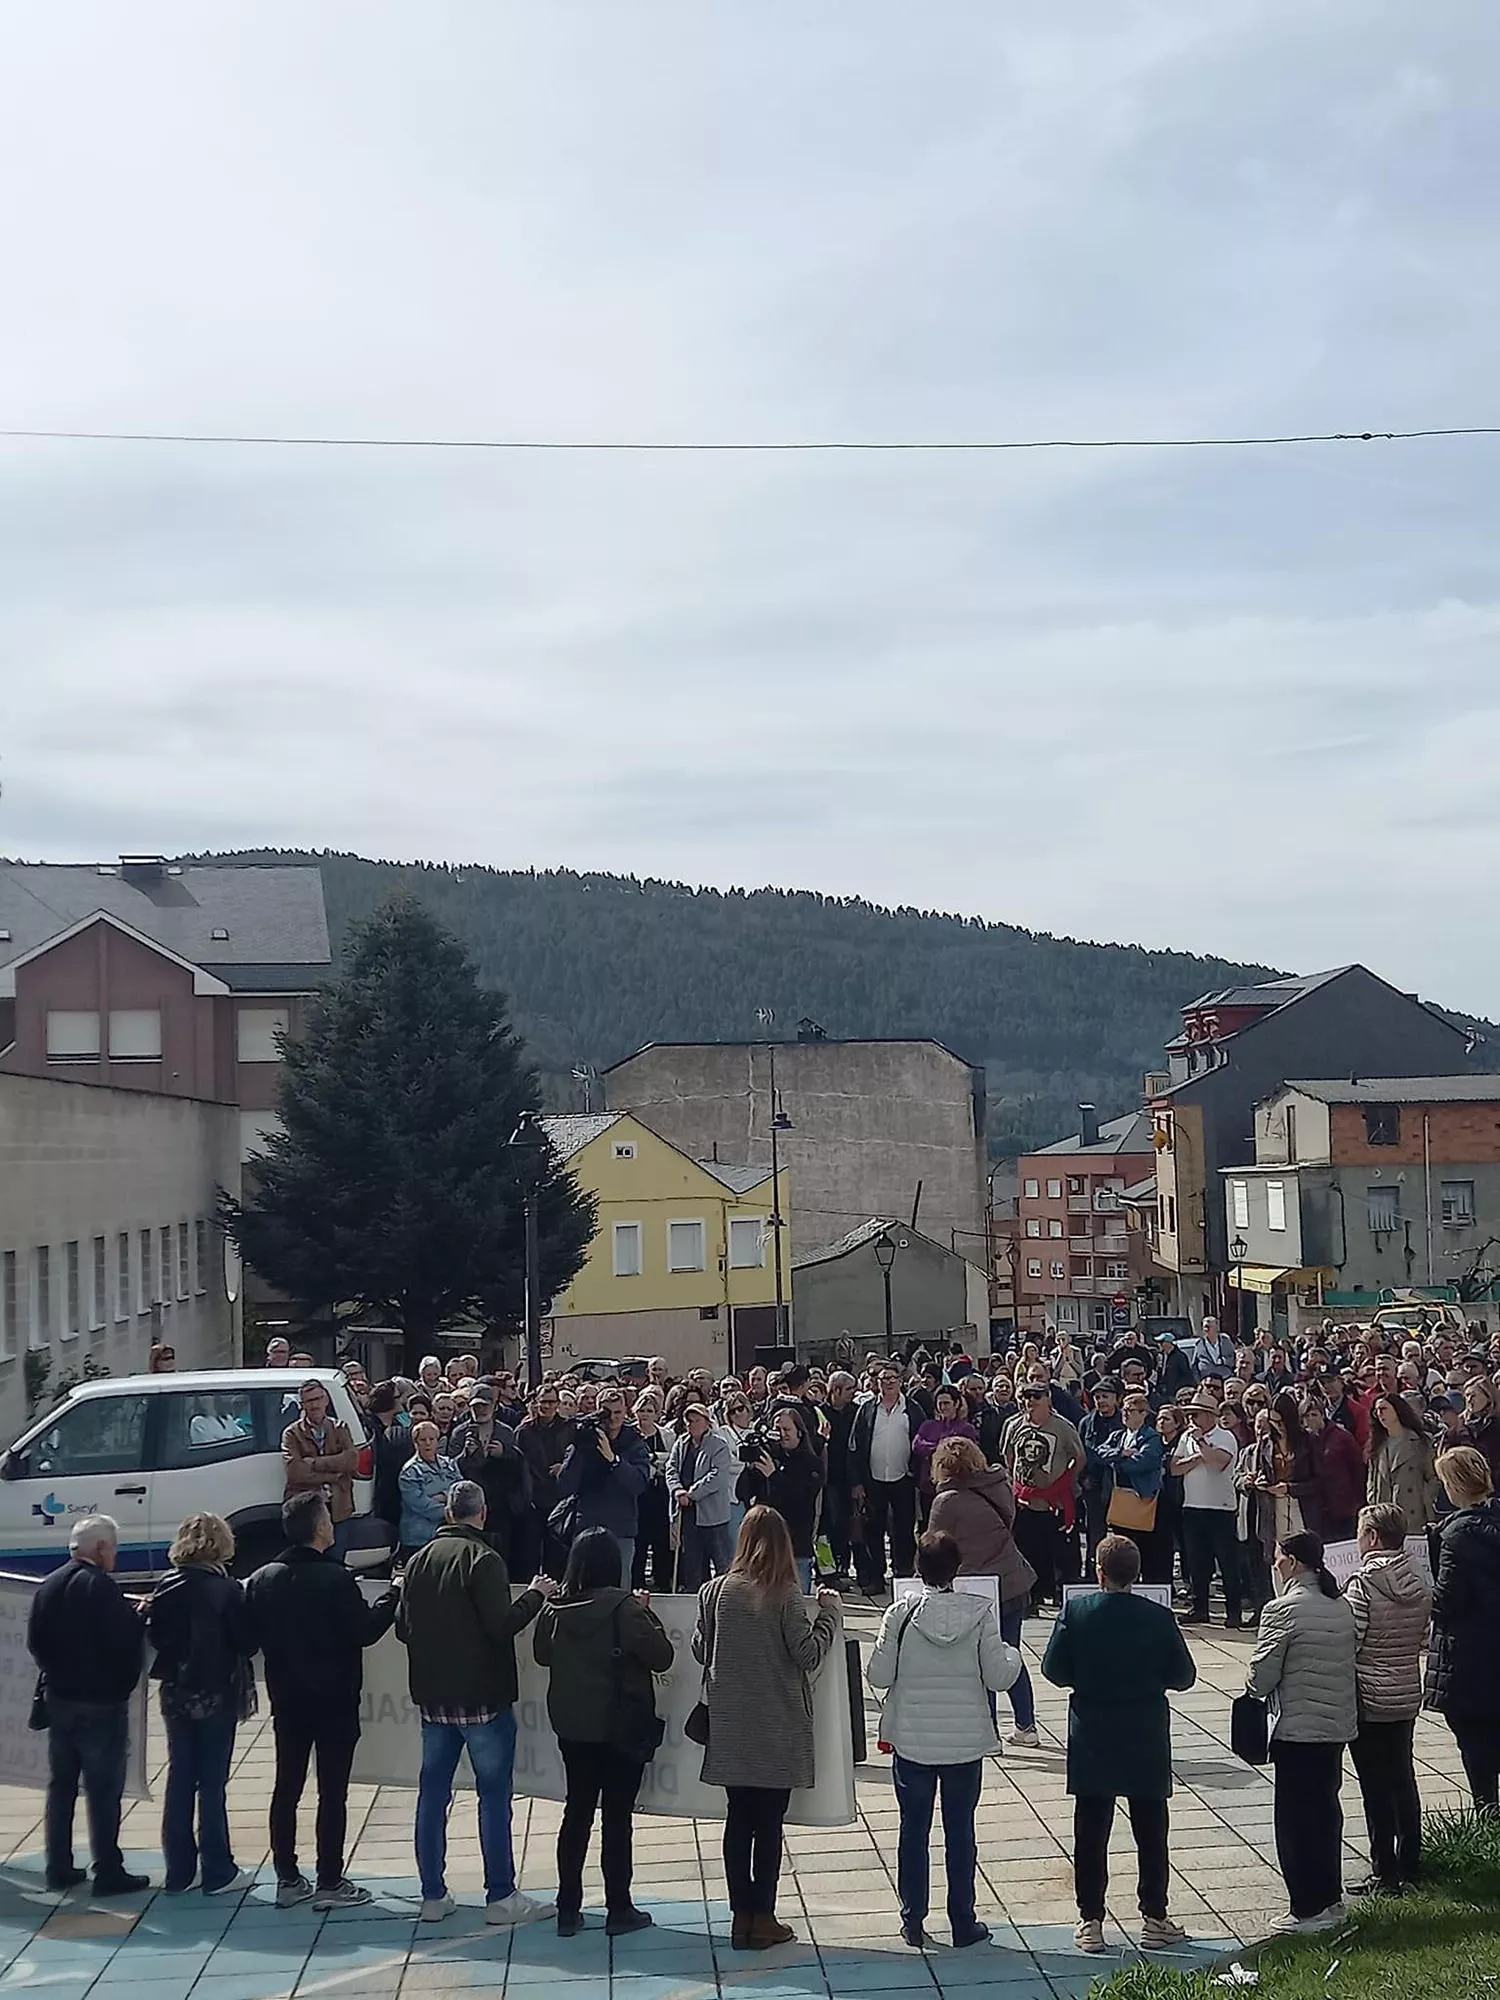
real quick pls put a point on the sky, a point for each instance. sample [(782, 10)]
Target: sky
[(1235, 701)]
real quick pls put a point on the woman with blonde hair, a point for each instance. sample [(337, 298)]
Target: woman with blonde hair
[(1462, 1684), (976, 1505), (759, 1649), (200, 1628)]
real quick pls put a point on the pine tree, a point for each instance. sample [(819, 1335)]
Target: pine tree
[(393, 1188)]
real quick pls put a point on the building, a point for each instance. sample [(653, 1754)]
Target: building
[(107, 1236), (1005, 1270), (683, 1259), (1236, 1048), (1365, 1186), (1074, 1249), (869, 1127), (936, 1294), (151, 975)]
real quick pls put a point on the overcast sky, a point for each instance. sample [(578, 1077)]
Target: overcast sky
[(1236, 701)]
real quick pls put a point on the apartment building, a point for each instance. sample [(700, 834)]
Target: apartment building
[(1074, 1267)]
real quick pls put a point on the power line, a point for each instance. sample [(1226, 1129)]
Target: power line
[(770, 445)]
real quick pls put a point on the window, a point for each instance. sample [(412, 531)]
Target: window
[(1383, 1124), (1383, 1209), (1171, 1215), (10, 1304), (1054, 1190), (99, 1297), (1033, 1188), (1276, 1204), (1059, 1270), (104, 1434), (204, 1430), (200, 1256), (74, 1322), (627, 1240), (747, 1242), (1099, 1319), (72, 1037), (255, 1032), (134, 1034), (184, 1263), (164, 1265), (1033, 1267), (145, 1294), (122, 1275), (624, 1149), (1033, 1225), (1291, 1134), (41, 1296), (1458, 1203), (1239, 1203), (1054, 1227), (1117, 1270), (684, 1246), (1075, 1184)]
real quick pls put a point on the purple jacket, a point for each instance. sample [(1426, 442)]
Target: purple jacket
[(929, 1436)]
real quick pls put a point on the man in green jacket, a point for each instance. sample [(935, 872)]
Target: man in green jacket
[(459, 1625)]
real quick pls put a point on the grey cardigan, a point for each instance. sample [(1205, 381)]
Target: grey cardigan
[(1303, 1664), (759, 1661), (712, 1484)]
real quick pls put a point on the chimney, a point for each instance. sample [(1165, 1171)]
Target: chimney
[(1088, 1125), (143, 867)]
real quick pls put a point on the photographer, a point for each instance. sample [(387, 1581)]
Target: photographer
[(606, 1471), (781, 1470)]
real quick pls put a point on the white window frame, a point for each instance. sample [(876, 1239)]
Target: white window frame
[(1054, 1227), (623, 1149), (740, 1225), (1054, 1190), (78, 1040), (40, 1334), (184, 1263), (131, 1035), (99, 1286), (687, 1222), (1239, 1204), (1276, 1205), (1032, 1190), (10, 1302), (1033, 1267), (635, 1231), (255, 1031), (72, 1288), (166, 1265), (124, 1282), (1461, 1221), (145, 1280), (1033, 1225), (1059, 1269), (201, 1254)]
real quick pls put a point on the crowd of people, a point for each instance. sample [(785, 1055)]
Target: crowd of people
[(1166, 1464)]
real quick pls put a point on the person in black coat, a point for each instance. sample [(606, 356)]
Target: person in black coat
[(788, 1477), (309, 1618), (1462, 1682), (839, 1412), (90, 1646), (199, 1624), (392, 1445), (485, 1450)]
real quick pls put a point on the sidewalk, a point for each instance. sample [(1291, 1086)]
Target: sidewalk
[(837, 1890)]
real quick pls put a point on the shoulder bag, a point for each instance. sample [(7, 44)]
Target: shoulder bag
[(1249, 1729), (883, 1745), (695, 1727), (1128, 1509)]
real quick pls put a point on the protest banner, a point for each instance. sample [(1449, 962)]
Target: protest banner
[(972, 1586), (390, 1744), (23, 1750), (1154, 1593), (1341, 1560)]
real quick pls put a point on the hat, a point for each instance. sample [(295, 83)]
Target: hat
[(481, 1397), (1203, 1403), (1447, 1403), (1168, 1335)]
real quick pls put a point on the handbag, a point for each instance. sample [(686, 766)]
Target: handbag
[(695, 1725), (636, 1730), (1249, 1729), (1128, 1509), (37, 1719)]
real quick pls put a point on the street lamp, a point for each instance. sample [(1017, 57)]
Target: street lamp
[(530, 1144), (780, 1122), (1239, 1250), (885, 1256)]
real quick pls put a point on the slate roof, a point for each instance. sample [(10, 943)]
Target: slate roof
[(1401, 1090), (1130, 1134), (570, 1132)]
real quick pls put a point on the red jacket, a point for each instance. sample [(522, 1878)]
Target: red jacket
[(1341, 1474)]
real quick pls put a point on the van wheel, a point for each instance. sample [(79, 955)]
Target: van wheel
[(255, 1546)]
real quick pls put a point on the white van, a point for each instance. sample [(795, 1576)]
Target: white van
[(151, 1449)]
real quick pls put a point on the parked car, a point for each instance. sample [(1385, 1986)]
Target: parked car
[(151, 1449), (628, 1368)]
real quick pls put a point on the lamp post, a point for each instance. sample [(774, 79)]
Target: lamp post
[(530, 1143), (779, 1123), (885, 1256), (1239, 1250)]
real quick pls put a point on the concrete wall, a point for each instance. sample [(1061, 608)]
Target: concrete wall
[(929, 1295), (79, 1162), (869, 1120), (681, 1334)]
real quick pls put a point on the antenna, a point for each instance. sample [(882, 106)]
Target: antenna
[(765, 1017), (586, 1074)]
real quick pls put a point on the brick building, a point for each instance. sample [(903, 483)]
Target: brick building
[(1071, 1224)]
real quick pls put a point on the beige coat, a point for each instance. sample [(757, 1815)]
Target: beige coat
[(334, 1469)]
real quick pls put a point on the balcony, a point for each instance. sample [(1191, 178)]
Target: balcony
[(1111, 1246), (1106, 1202), (1081, 1246)]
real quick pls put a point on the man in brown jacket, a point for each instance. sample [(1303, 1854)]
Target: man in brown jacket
[(318, 1455)]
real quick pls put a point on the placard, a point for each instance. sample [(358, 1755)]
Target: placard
[(1342, 1559), (1154, 1593), (972, 1586), (23, 1750)]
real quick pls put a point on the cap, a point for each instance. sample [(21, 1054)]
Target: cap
[(479, 1397)]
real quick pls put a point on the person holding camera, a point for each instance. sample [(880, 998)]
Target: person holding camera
[(781, 1470), (700, 1480), (606, 1471)]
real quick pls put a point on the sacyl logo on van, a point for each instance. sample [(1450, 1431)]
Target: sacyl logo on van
[(52, 1509)]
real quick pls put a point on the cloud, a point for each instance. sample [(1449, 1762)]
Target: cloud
[(1241, 701)]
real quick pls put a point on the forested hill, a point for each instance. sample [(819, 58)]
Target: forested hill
[(595, 965)]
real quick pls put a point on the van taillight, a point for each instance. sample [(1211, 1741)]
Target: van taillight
[(366, 1466)]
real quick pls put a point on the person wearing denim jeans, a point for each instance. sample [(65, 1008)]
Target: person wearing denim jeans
[(459, 1626), (918, 1788)]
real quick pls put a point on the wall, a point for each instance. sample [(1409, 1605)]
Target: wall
[(929, 1294), (78, 1161), (682, 1335), (869, 1120), (1469, 1131)]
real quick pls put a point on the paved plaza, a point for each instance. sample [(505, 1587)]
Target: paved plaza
[(838, 1890)]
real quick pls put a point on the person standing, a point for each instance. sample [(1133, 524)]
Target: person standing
[(1462, 1682), (839, 1412), (89, 1643), (606, 1472), (1339, 1469), (310, 1620), (601, 1645), (940, 1661), (319, 1456), (199, 1623), (1212, 1353), (949, 1419), (973, 1503), (390, 1439), (1044, 1455), (1101, 1427), (700, 1490), (543, 1441), (786, 1475), (1402, 1473), (1304, 1665), (1133, 1457), (1482, 1421), (1119, 1654), (653, 1535), (1392, 1606), (881, 1481), (759, 1649), (485, 1450), (459, 1626), (1204, 1461)]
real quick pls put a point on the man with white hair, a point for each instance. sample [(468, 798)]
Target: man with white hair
[(839, 1412), (89, 1644)]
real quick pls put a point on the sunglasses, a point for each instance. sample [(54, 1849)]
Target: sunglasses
[(1032, 1395)]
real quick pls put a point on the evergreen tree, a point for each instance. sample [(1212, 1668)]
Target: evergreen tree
[(393, 1187)]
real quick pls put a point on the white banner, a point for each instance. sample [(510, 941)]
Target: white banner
[(1154, 1593), (390, 1743), (987, 1587), (23, 1750), (1341, 1560)]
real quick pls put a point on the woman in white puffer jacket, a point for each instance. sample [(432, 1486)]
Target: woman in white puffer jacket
[(938, 1658)]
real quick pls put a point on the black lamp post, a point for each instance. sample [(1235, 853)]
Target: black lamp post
[(530, 1143), (885, 1256), (1239, 1250)]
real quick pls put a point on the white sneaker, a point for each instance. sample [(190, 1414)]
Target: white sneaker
[(1088, 1936), (517, 1908), (1024, 1739), (244, 1879), (1161, 1934), (1325, 1920), (435, 1908)]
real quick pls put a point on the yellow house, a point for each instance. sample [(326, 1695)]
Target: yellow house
[(682, 1263)]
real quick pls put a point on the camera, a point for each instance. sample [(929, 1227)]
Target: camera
[(758, 1444)]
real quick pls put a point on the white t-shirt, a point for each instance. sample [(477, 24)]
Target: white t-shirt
[(890, 1444), (1200, 1487)]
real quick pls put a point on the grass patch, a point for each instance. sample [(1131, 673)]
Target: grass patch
[(1441, 1942)]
